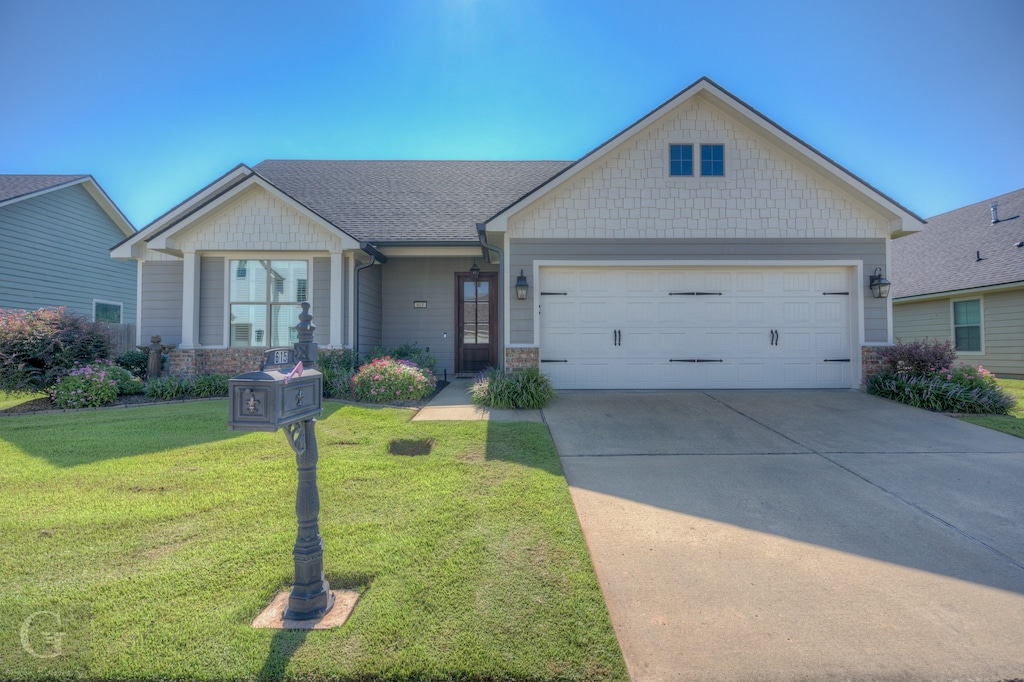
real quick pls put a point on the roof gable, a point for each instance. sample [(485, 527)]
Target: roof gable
[(899, 219), (15, 188), (962, 250)]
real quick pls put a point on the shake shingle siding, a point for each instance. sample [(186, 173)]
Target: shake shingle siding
[(54, 251)]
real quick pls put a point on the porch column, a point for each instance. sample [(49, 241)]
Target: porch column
[(190, 302), (337, 300)]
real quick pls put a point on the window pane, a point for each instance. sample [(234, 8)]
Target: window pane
[(712, 159), (248, 325), (680, 159), (285, 276), (282, 325), (248, 281), (967, 312), (107, 312), (968, 338)]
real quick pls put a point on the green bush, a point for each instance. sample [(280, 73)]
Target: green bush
[(526, 389), (951, 392), (38, 348), (176, 388), (126, 383), (386, 379), (338, 367), (89, 385), (135, 361)]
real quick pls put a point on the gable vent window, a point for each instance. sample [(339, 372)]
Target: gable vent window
[(680, 159), (712, 160)]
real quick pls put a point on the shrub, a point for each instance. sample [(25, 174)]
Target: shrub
[(338, 367), (176, 388), (385, 379), (135, 361), (38, 348), (922, 358), (407, 351), (526, 389), (959, 390), (126, 383), (85, 386)]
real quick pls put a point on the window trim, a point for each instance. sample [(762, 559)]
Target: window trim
[(981, 323), (120, 308)]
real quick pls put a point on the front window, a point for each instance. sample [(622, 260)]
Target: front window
[(265, 297), (967, 325), (106, 312)]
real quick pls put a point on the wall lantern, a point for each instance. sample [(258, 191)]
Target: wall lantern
[(521, 286), (879, 285), (474, 271)]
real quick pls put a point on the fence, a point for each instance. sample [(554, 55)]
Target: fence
[(122, 337)]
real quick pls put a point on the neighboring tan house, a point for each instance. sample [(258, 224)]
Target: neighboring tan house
[(962, 279), (701, 247), (55, 237)]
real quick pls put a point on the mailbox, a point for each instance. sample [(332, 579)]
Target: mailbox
[(275, 395)]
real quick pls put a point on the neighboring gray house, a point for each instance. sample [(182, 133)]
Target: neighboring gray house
[(701, 247), (962, 279), (55, 237)]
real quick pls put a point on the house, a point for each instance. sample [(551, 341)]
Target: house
[(701, 247), (55, 237), (962, 279)]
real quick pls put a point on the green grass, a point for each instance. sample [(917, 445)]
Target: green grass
[(158, 535), (1013, 423), (12, 399)]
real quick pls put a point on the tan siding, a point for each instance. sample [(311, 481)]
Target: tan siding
[(871, 252), (212, 301), (431, 280), (161, 300), (922, 320)]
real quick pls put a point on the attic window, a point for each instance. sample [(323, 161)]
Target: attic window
[(712, 160), (680, 159)]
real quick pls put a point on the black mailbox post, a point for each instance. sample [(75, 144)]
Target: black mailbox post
[(288, 393)]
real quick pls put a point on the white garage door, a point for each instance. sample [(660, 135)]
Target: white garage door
[(660, 327)]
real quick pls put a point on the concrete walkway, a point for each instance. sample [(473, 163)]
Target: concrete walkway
[(798, 535), (453, 403)]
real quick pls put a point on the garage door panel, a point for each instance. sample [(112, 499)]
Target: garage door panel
[(758, 328)]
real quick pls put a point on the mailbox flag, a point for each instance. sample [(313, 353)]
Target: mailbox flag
[(296, 372)]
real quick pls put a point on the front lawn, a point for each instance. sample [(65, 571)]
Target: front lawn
[(151, 537), (12, 399), (1013, 423)]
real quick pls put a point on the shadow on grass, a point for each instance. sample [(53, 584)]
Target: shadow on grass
[(526, 443), (72, 439)]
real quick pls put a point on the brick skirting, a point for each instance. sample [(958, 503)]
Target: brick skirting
[(521, 358), (870, 361), (199, 361)]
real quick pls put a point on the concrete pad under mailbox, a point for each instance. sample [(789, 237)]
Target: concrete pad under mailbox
[(272, 617)]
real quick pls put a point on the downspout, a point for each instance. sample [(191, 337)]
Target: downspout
[(481, 232), (375, 257)]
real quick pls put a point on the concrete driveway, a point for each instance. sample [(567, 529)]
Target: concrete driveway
[(798, 535)]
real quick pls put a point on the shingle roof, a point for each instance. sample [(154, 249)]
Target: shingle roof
[(407, 201), (944, 255), (14, 186)]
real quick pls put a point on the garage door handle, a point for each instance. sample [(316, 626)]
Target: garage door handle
[(617, 337), (774, 337)]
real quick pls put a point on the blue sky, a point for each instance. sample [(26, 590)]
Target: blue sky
[(921, 99)]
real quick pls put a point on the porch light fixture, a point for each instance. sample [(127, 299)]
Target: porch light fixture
[(879, 285), (474, 271), (521, 286)]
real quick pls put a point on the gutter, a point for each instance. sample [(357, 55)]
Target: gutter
[(375, 257)]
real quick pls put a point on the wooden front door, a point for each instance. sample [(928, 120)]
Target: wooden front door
[(476, 312)]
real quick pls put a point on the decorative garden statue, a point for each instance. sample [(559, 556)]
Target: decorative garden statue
[(156, 352)]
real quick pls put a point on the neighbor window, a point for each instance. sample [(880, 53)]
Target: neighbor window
[(106, 312), (680, 159), (967, 325), (712, 159), (264, 301)]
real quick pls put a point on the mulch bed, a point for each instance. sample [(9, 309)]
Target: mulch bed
[(44, 405)]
